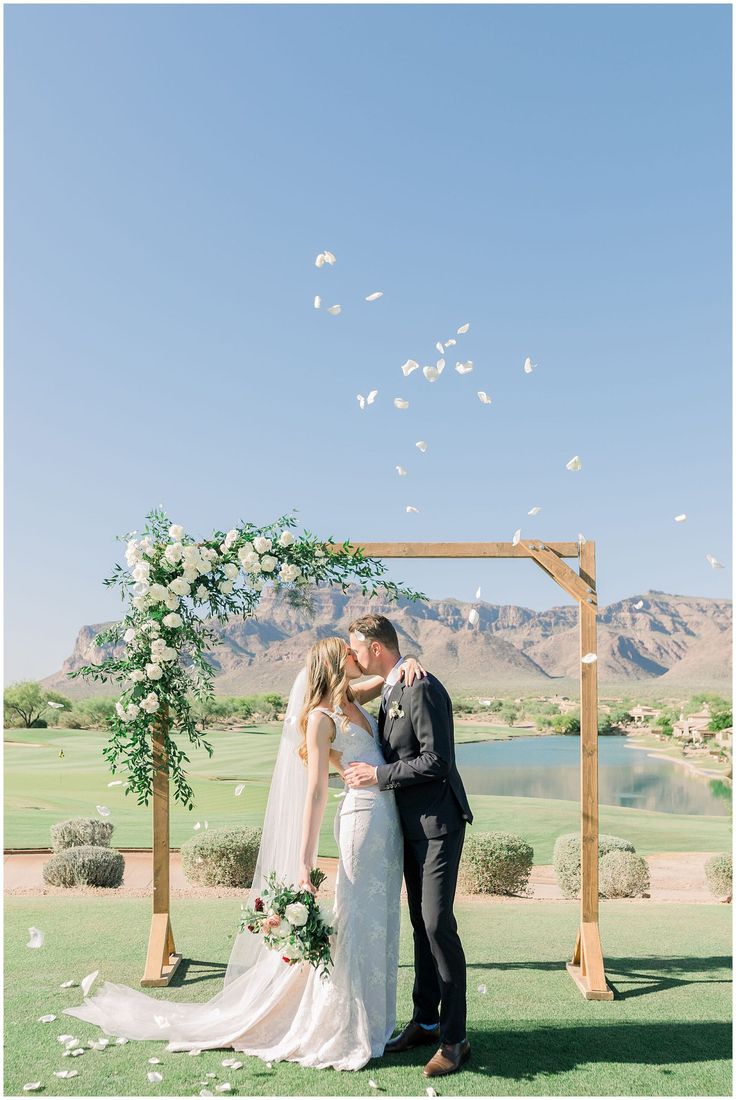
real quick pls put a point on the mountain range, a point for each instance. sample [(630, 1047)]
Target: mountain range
[(671, 641)]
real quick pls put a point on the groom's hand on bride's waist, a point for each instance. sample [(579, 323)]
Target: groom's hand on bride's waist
[(360, 775)]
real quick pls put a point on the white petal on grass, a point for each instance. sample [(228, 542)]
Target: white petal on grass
[(154, 1061), (372, 1084), (205, 1092), (430, 1091), (71, 1042), (484, 398), (589, 658), (430, 373), (194, 1052), (574, 463), (46, 1019), (239, 789), (639, 605), (32, 1086), (115, 783), (317, 302), (63, 1038), (401, 471), (528, 366), (121, 1041), (517, 537), (464, 368), (422, 446), (681, 518), (374, 296), (66, 1073), (482, 988), (714, 562), (334, 310), (477, 593), (87, 983), (411, 508), (224, 1087), (103, 811), (463, 329), (409, 366), (534, 511), (473, 617), (155, 1077), (36, 939), (400, 403), (76, 1053), (67, 985)]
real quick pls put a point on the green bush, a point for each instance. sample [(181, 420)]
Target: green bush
[(566, 858), (719, 875), (81, 831), (221, 857), (566, 723), (623, 874), (87, 865), (495, 863)]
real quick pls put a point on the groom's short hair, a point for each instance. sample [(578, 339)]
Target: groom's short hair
[(376, 628)]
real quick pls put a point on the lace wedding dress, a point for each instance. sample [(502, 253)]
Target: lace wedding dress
[(290, 1013)]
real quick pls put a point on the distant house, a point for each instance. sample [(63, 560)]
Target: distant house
[(694, 728), (644, 716), (724, 738)]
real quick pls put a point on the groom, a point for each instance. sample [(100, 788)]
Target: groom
[(415, 731)]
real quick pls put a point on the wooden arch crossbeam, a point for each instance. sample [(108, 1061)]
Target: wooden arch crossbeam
[(586, 966)]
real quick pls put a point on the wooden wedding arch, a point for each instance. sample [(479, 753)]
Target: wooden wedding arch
[(586, 966)]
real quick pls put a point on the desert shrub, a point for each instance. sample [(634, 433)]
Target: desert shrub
[(221, 857), (623, 874), (495, 863), (88, 865), (566, 858), (719, 875), (39, 724), (81, 831), (566, 723)]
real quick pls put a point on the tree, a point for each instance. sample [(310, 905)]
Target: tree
[(721, 720), (27, 702), (566, 723)]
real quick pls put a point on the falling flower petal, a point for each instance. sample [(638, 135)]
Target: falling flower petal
[(154, 1077), (422, 446), (115, 783), (319, 262), (517, 536), (87, 983), (65, 1074), (482, 989), (440, 347), (450, 343), (197, 825), (713, 562), (359, 635), (317, 302), (154, 1061), (46, 1019), (528, 366), (162, 1021), (534, 511), (473, 617), (36, 939), (589, 658), (67, 985), (206, 824), (463, 329), (464, 368), (103, 811), (371, 397), (53, 705), (361, 400), (239, 789), (409, 366), (574, 463), (440, 365), (374, 296), (430, 373), (401, 471), (410, 508), (334, 310), (477, 593), (581, 538), (681, 518), (399, 403), (32, 1086), (329, 258), (484, 398)]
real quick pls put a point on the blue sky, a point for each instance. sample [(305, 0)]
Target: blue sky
[(558, 176)]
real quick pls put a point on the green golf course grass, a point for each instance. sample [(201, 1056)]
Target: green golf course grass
[(42, 788), (667, 1033)]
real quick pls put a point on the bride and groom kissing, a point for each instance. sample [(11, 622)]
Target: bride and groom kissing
[(403, 814)]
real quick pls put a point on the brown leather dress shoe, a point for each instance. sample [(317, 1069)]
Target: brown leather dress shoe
[(448, 1059), (413, 1035)]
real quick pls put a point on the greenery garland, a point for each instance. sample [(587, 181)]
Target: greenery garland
[(171, 584)]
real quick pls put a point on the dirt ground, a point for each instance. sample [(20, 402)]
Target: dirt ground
[(675, 877)]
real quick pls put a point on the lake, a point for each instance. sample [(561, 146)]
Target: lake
[(549, 767)]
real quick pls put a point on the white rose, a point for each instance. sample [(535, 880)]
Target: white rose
[(297, 913), (129, 635), (140, 603), (179, 587), (203, 566), (259, 584), (261, 545), (174, 552), (230, 538), (268, 563), (137, 675), (133, 552), (289, 573), (154, 672), (291, 951), (246, 548), (133, 712), (176, 532), (230, 570), (226, 587), (283, 930), (172, 601), (190, 574), (120, 709), (201, 592), (140, 588), (168, 653), (286, 538), (150, 704), (173, 621), (152, 626), (157, 593), (142, 571)]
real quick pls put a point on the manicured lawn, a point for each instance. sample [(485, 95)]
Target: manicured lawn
[(42, 788), (667, 1033)]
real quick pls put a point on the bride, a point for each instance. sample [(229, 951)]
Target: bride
[(290, 1013)]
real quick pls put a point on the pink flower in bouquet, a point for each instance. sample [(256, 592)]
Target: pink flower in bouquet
[(272, 922)]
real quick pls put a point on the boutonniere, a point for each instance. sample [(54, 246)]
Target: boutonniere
[(395, 710)]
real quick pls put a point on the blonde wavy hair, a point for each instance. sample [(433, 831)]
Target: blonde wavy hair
[(326, 675)]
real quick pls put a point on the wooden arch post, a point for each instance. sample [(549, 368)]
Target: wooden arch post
[(586, 966)]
